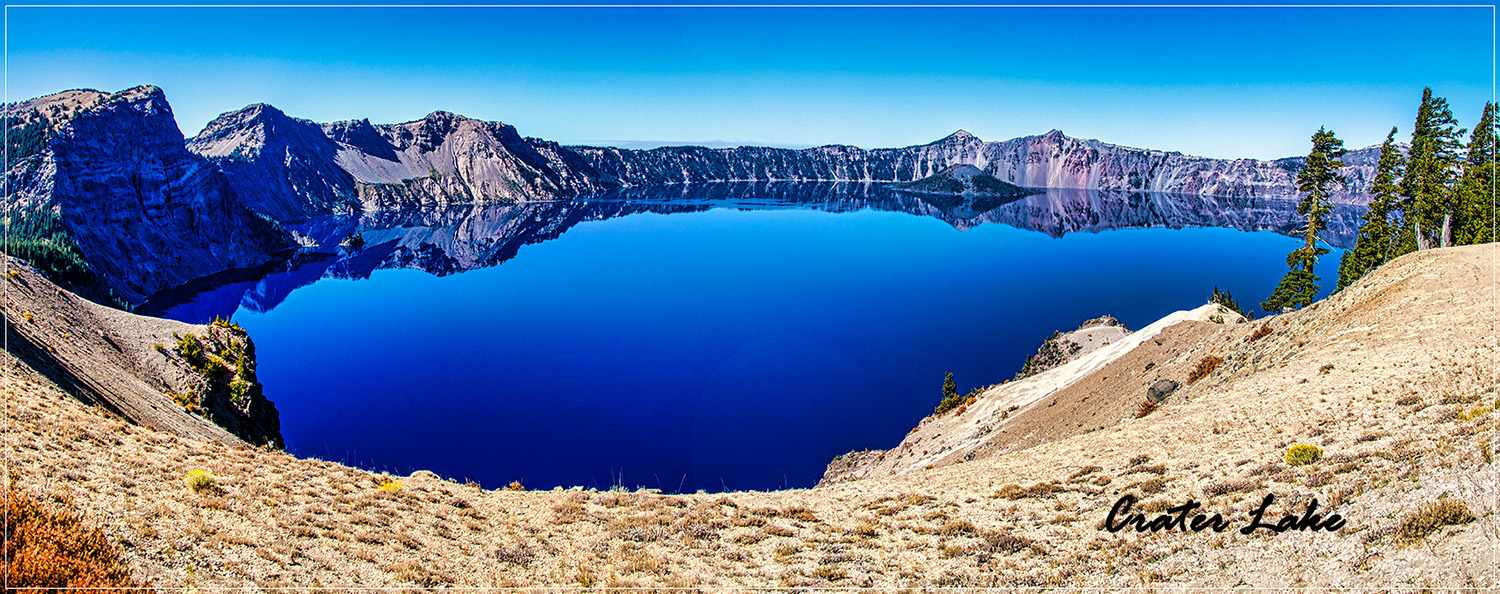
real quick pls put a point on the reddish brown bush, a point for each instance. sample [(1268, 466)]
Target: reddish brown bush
[(49, 546), (1206, 366)]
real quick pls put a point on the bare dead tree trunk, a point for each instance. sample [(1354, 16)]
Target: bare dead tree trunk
[(1447, 237), (1422, 243)]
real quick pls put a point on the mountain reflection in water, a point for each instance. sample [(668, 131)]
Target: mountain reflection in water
[(445, 241)]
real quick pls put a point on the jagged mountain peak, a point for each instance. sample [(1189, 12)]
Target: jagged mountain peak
[(959, 136)]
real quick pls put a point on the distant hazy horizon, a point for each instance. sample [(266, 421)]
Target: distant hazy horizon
[(1225, 82)]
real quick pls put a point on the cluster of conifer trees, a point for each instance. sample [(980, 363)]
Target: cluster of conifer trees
[(1435, 193)]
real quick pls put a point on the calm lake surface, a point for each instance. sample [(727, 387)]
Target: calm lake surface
[(709, 338)]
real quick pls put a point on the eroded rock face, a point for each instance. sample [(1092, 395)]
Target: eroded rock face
[(294, 169), (318, 169), (1051, 160), (145, 213), (283, 167)]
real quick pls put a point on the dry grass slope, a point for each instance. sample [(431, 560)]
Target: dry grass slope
[(1405, 417)]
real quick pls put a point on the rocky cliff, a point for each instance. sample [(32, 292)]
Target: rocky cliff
[(294, 169), (144, 213), (122, 207), (1051, 160)]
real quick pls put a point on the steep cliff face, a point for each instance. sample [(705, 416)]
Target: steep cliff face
[(145, 213), (1051, 160), (282, 166), (294, 169)]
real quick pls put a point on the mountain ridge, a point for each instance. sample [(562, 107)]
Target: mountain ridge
[(151, 209)]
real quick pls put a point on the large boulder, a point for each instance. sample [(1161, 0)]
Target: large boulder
[(1159, 391)]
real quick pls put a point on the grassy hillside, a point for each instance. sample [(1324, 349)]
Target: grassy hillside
[(1392, 380)]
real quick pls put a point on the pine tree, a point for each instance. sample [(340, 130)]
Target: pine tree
[(1377, 241), (951, 399), (1317, 178), (1475, 219), (1427, 188)]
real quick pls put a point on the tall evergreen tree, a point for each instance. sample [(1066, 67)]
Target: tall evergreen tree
[(1431, 173), (1475, 219), (1317, 178), (1377, 240)]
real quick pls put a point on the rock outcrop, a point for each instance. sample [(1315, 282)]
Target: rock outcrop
[(1063, 347), (131, 365), (145, 213), (964, 180)]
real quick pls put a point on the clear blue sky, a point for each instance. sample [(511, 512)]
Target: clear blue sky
[(1221, 82)]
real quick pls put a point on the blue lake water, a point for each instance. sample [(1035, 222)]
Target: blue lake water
[(704, 342)]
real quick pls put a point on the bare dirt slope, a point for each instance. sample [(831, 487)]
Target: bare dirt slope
[(1393, 379), (101, 355)]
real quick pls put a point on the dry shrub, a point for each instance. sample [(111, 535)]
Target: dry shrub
[(778, 530), (1014, 491), (640, 528), (1085, 471), (1003, 542), (1155, 485), (1226, 487), (1318, 479), (829, 573), (956, 527), (1155, 469), (749, 538), (797, 512), (1147, 407), (50, 546), (700, 526), (1261, 332), (569, 512), (1156, 506), (519, 554), (638, 561), (1433, 516), (1205, 366), (916, 499), (414, 573)]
